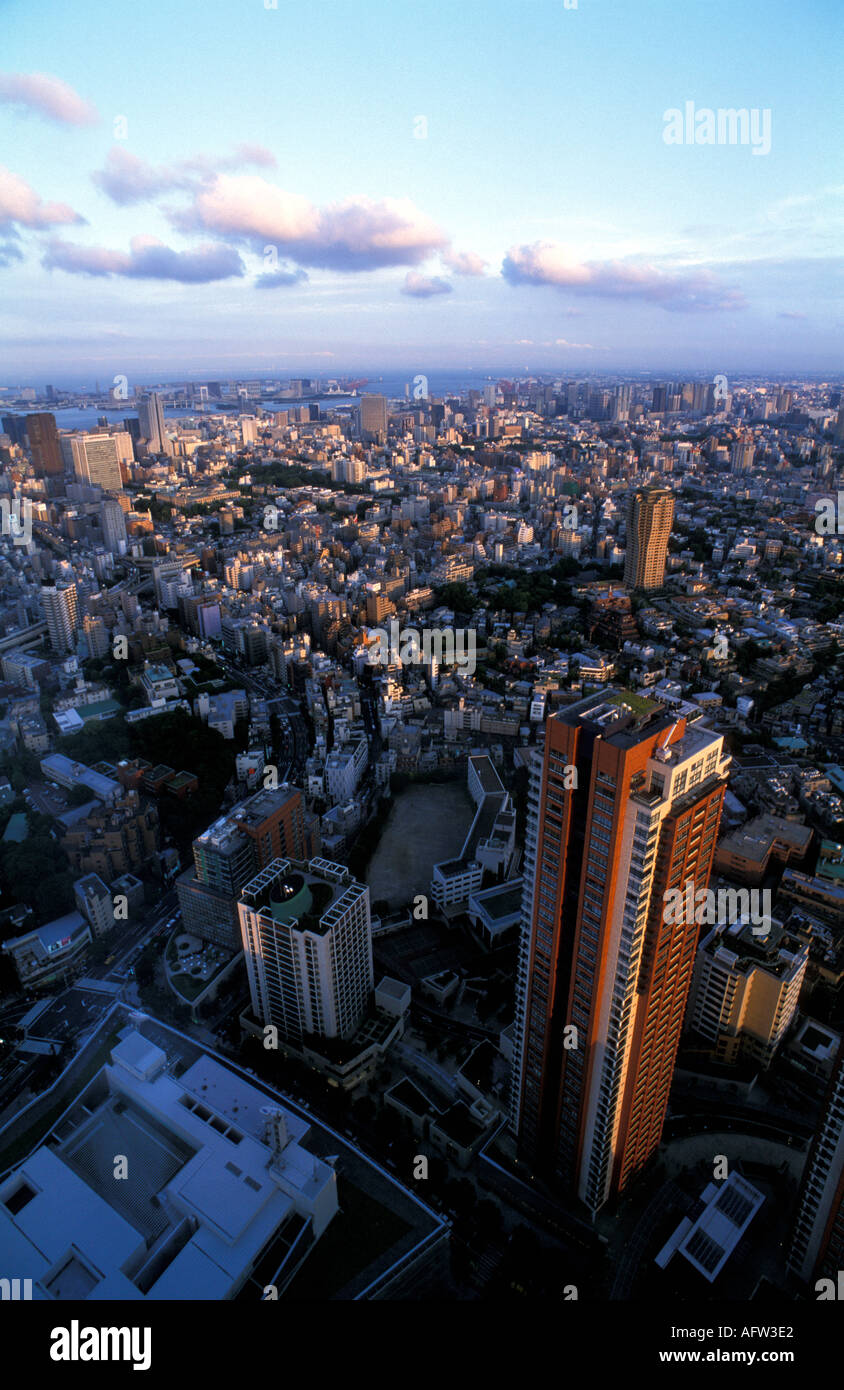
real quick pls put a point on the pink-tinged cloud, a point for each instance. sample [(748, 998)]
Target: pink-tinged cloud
[(47, 96), (148, 259), (127, 178), (20, 205), (547, 263), (425, 286), (355, 235), (465, 262)]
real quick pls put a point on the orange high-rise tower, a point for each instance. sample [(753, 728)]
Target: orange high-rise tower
[(624, 806)]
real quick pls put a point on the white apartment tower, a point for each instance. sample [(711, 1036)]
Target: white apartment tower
[(817, 1248), (61, 612), (307, 939)]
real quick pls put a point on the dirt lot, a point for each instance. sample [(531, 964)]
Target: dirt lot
[(425, 824)]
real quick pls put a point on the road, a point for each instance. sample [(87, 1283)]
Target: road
[(294, 730), (75, 1011)]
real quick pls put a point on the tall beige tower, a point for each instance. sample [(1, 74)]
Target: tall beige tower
[(650, 512), (59, 602)]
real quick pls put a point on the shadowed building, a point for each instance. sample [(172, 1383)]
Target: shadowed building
[(624, 806)]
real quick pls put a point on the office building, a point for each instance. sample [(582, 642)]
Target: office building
[(344, 768), (267, 826), (624, 805), (745, 990), (650, 512), (171, 580), (15, 427), (153, 430), (307, 939), (44, 445), (817, 1248), (70, 774), (96, 458), (741, 454), (113, 522), (222, 1188), (373, 418), (61, 612), (97, 636)]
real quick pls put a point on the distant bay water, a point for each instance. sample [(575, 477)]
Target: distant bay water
[(439, 383)]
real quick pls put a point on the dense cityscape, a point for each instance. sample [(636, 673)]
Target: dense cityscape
[(510, 965), (421, 687)]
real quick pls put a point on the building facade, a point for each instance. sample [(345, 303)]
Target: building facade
[(650, 512), (307, 939), (624, 806)]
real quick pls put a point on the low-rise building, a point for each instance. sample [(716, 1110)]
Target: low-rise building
[(53, 954)]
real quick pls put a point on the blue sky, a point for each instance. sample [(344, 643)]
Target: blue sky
[(541, 222)]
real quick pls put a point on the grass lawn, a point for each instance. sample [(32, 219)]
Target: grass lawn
[(189, 986), (639, 704), (360, 1232)]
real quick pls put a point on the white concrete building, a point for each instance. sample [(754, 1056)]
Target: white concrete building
[(307, 939), (218, 1179), (344, 769)]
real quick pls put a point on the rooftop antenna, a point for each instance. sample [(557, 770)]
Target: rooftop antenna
[(275, 1133), (664, 752)]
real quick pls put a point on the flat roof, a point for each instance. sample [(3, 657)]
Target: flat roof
[(485, 772), (729, 1210), (502, 898), (18, 827)]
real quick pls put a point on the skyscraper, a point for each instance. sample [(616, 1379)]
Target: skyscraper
[(624, 806), (373, 418), (307, 939), (151, 417), (44, 445), (60, 610), (96, 635), (15, 427), (113, 523), (742, 454), (650, 512), (817, 1249), (95, 458)]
